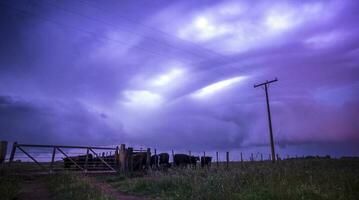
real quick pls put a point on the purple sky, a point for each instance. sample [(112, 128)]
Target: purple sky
[(180, 75)]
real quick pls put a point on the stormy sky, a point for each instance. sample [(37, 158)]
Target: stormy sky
[(180, 74)]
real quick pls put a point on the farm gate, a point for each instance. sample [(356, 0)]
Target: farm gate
[(89, 159)]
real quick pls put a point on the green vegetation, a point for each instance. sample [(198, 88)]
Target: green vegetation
[(9, 185), (292, 179), (69, 186)]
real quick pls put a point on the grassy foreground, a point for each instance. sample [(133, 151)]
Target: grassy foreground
[(295, 179), (69, 186)]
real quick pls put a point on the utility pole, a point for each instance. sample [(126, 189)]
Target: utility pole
[(266, 84)]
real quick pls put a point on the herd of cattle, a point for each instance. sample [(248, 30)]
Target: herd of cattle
[(139, 161)]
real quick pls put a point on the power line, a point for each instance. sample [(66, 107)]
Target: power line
[(79, 29), (266, 84), (157, 41), (155, 29)]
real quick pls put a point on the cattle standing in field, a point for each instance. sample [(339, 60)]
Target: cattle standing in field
[(193, 160), (206, 161), (154, 160), (183, 160), (160, 160), (164, 160), (139, 160)]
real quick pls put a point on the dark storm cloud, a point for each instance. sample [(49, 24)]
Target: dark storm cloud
[(54, 123), (178, 74)]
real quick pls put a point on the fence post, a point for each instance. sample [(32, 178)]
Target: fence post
[(117, 158), (203, 161), (173, 158), (227, 158), (130, 158), (87, 158), (217, 158), (3, 149), (12, 155), (123, 157), (252, 159), (241, 157), (156, 159), (148, 160), (52, 159)]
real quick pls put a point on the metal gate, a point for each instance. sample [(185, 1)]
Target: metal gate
[(53, 158)]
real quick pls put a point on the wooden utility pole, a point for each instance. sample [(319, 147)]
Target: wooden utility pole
[(266, 84)]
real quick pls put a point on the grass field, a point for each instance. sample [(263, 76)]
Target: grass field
[(289, 179), (69, 186), (292, 179), (61, 186)]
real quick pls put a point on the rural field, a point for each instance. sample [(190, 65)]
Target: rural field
[(288, 179)]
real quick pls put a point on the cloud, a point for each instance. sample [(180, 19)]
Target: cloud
[(134, 82), (56, 122)]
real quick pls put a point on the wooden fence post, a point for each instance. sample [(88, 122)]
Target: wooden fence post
[(227, 158), (148, 160), (130, 158), (123, 157), (217, 158), (117, 160), (52, 159), (87, 159), (241, 157), (3, 149), (173, 158), (12, 155)]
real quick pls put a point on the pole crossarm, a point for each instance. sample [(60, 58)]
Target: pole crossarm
[(266, 83)]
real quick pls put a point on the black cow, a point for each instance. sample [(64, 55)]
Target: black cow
[(139, 160), (206, 161), (193, 160), (164, 159), (161, 159), (154, 160), (182, 160)]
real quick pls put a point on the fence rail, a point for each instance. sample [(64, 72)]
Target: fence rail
[(92, 159)]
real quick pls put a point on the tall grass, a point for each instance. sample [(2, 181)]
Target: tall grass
[(9, 184), (315, 179), (69, 186)]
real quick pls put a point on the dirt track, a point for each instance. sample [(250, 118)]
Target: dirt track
[(108, 189), (34, 188)]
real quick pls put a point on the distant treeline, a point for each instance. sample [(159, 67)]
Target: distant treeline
[(322, 158)]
